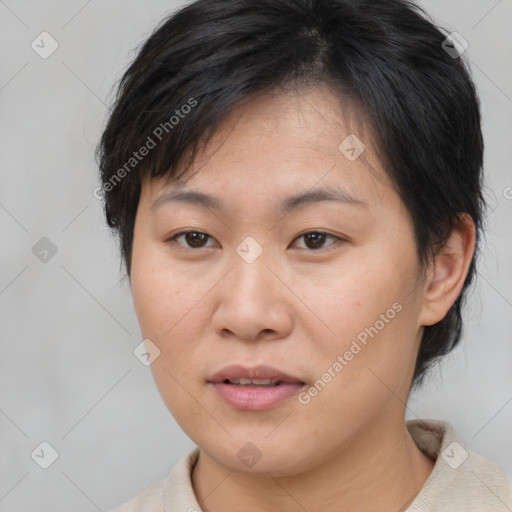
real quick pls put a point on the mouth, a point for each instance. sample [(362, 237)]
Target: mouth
[(254, 389), (253, 383)]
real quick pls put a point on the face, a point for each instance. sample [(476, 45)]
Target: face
[(324, 291)]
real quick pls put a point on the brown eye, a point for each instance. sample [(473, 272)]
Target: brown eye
[(316, 239), (193, 239)]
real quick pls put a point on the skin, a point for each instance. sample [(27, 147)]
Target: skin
[(296, 307)]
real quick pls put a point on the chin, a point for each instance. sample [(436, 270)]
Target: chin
[(260, 456)]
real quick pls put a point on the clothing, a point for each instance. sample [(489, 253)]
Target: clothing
[(461, 481)]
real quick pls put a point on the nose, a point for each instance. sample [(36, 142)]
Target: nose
[(253, 302)]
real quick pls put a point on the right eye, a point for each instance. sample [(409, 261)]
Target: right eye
[(193, 239)]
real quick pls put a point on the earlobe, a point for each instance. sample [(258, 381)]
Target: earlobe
[(448, 272)]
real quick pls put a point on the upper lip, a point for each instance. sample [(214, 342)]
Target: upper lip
[(256, 372)]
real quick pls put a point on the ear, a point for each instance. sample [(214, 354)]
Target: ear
[(448, 272)]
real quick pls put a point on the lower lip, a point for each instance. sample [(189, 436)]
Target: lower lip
[(256, 399)]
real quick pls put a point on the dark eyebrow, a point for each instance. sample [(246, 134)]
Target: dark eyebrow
[(325, 194)]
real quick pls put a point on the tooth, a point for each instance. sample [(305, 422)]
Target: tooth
[(262, 382), (255, 382)]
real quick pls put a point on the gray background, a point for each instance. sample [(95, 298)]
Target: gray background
[(68, 375)]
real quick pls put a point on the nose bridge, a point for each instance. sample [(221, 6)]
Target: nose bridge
[(250, 261), (250, 295), (252, 301), (250, 250)]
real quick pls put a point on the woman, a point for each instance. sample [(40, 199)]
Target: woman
[(296, 185)]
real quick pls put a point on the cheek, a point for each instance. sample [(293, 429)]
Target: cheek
[(370, 345), (162, 293), (350, 300), (170, 313)]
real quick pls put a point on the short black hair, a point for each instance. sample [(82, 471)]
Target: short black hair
[(387, 56)]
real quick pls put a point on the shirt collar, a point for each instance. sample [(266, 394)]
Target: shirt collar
[(458, 473)]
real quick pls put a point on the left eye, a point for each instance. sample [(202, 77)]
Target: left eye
[(316, 239)]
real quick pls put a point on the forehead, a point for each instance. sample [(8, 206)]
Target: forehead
[(281, 142)]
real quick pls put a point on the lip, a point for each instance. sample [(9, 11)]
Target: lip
[(237, 371), (252, 398)]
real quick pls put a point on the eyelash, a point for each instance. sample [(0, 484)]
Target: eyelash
[(173, 239)]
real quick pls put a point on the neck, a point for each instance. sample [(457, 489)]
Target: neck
[(383, 469)]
